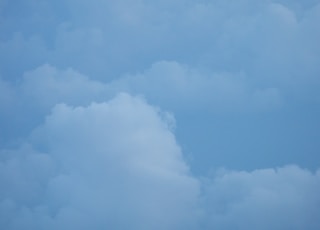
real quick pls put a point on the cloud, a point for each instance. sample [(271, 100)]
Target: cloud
[(25, 103), (80, 150), (177, 86), (273, 44), (47, 86), (108, 165), (167, 84), (282, 198), (117, 165), (270, 40)]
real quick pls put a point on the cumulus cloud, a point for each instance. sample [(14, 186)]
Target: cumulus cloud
[(282, 198), (25, 103), (270, 40), (80, 150), (167, 84), (117, 165), (175, 85), (108, 165), (272, 43), (47, 86)]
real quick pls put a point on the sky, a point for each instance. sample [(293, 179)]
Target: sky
[(146, 114)]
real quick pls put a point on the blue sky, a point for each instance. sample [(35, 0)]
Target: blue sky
[(144, 114)]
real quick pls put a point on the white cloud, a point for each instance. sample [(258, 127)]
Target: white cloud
[(285, 198), (96, 163), (103, 166), (114, 165)]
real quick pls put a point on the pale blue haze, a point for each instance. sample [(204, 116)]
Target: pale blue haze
[(146, 114)]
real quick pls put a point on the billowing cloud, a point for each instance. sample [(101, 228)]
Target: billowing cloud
[(117, 165), (282, 198), (167, 84), (47, 86), (174, 85), (108, 165), (25, 103), (83, 145), (274, 41)]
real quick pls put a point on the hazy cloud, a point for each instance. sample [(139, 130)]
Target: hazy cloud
[(167, 84), (47, 86), (26, 102), (273, 41), (174, 85), (83, 145), (282, 198)]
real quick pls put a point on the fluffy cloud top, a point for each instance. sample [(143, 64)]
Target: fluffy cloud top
[(167, 84), (117, 165), (80, 150), (108, 165)]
